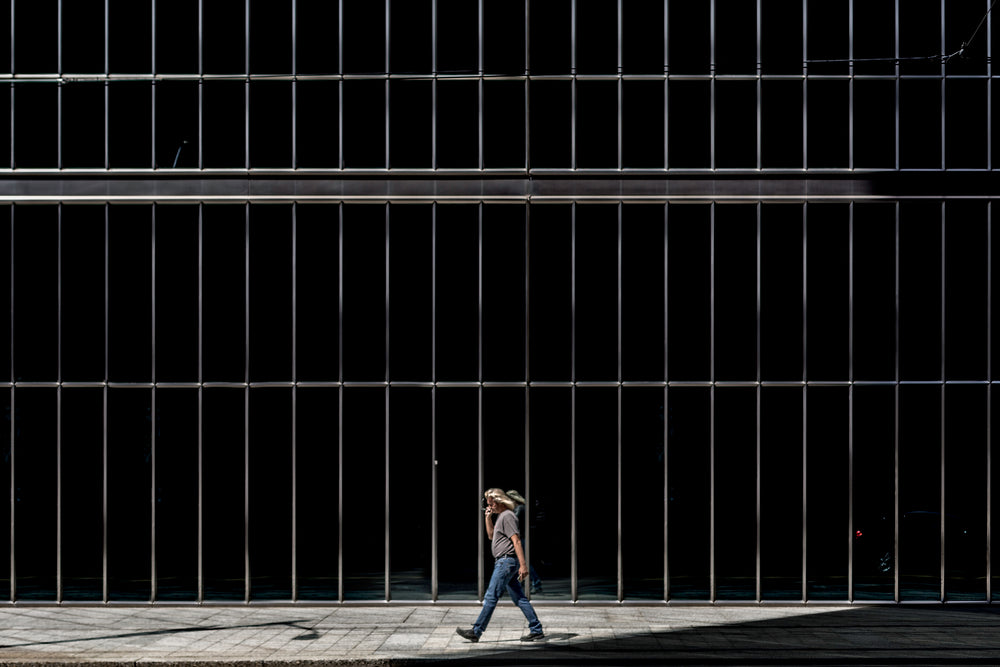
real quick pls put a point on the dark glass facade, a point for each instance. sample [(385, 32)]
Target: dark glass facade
[(289, 284)]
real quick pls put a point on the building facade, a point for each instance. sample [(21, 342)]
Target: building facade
[(290, 284)]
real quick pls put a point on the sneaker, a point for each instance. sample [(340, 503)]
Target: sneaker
[(533, 637), (466, 633)]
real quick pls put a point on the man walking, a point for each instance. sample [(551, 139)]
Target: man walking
[(509, 554)]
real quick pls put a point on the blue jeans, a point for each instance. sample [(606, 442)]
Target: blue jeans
[(504, 576)]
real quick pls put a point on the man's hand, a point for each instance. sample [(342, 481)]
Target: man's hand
[(522, 573)]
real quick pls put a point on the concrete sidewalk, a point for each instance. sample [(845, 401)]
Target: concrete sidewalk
[(399, 635)]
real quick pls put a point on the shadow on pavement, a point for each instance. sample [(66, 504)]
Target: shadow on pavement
[(878, 635)]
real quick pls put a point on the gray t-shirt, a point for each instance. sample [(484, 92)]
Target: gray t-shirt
[(504, 527)]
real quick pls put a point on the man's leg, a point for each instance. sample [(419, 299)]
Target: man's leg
[(502, 571), (518, 597)]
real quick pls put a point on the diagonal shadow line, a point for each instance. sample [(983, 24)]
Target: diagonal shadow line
[(310, 633)]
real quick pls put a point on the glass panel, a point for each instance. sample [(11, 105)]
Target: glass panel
[(82, 131), (874, 121), (550, 488), (597, 248), (689, 123), (364, 108), (642, 292), (317, 25), (596, 37), (177, 495), (781, 491), (827, 291), (781, 122), (736, 292), (130, 143), (597, 491), (317, 250), (550, 37), (364, 292), (130, 294), (874, 293), (688, 37), (503, 124), (410, 30), (270, 37), (7, 449), (920, 492), (458, 35), (919, 124), (874, 37), (597, 124), (736, 124), (364, 37), (224, 488), (129, 32), (130, 482), (689, 495), (919, 25), (689, 295), (270, 293), (36, 491), (874, 492), (177, 36), (176, 293), (82, 35), (504, 292), (223, 134), (643, 31), (735, 37), (643, 124), (460, 523), (36, 125), (994, 507), (551, 293), (781, 36), (965, 483), (364, 495), (411, 464), (503, 38), (827, 492), (410, 124), (735, 493), (224, 36), (271, 124), (781, 292), (36, 306), (177, 133), (642, 492), (317, 488), (317, 132), (551, 112), (37, 27), (6, 367), (920, 291), (457, 299), (270, 493), (458, 124), (966, 132), (224, 298), (828, 124), (82, 493), (966, 306), (960, 22), (411, 293), (83, 293), (828, 38)]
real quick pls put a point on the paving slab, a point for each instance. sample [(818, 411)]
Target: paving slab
[(306, 636)]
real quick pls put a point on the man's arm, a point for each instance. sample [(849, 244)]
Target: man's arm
[(489, 523), (519, 550)]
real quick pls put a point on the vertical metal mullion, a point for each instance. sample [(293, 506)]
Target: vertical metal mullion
[(152, 413), (386, 118), (805, 401), (989, 395), (850, 401), (943, 305), (59, 86), (620, 85), (246, 94), (104, 416), (201, 399), (295, 395), (527, 90), (340, 401), (760, 88), (527, 368), (989, 93), (434, 83), (295, 100), (573, 563), (895, 486), (758, 390), (201, 89), (13, 5), (666, 403), (666, 84), (434, 477), (479, 403), (340, 90), (896, 69), (482, 92), (59, 412), (107, 73), (620, 570), (152, 85), (850, 86), (805, 85), (711, 85), (572, 90), (387, 563), (944, 161), (712, 578), (13, 417), (246, 395)]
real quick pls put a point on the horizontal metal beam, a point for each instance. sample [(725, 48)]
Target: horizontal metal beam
[(276, 186)]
